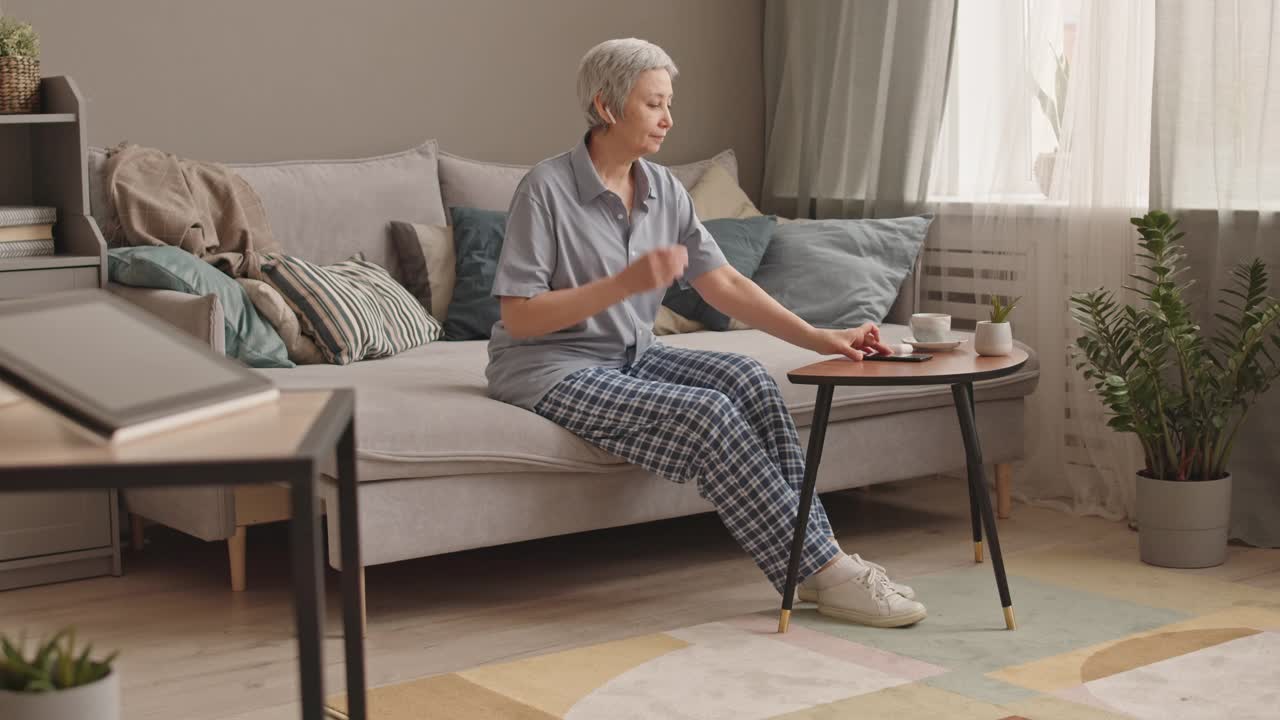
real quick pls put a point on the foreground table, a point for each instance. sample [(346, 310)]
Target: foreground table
[(959, 368), (286, 441)]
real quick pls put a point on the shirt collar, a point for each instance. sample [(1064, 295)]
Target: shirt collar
[(588, 180)]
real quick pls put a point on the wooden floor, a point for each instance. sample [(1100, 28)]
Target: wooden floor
[(191, 649)]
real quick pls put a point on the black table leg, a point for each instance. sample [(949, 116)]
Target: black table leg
[(308, 589), (975, 514), (963, 395), (352, 589), (817, 433)]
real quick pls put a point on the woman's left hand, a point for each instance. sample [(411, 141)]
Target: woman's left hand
[(853, 343)]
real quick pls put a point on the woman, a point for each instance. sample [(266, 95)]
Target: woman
[(594, 237)]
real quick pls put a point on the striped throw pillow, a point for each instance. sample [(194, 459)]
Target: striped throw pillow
[(353, 310)]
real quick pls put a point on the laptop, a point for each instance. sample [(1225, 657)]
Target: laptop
[(114, 371)]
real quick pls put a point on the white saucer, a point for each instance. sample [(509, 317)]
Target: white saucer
[(939, 346)]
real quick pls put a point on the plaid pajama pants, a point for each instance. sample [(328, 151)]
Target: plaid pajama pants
[(712, 417)]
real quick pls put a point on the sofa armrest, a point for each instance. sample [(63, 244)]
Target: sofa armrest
[(198, 315)]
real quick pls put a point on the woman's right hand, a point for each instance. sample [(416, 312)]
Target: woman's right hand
[(656, 269)]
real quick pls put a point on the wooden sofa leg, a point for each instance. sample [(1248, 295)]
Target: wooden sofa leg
[(364, 608), (136, 536), (236, 553), (1004, 486)]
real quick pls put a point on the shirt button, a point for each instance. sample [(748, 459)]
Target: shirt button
[(619, 216)]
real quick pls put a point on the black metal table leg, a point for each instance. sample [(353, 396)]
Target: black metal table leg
[(817, 434), (308, 590), (963, 395), (352, 589), (975, 514)]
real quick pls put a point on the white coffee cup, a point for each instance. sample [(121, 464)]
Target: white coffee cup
[(931, 327)]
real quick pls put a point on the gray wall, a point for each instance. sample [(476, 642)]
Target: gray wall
[(250, 80)]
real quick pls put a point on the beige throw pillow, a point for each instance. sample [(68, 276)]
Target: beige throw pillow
[(427, 264), (717, 195), (272, 307)]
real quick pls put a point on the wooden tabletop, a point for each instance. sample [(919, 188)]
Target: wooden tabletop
[(959, 365), (33, 436)]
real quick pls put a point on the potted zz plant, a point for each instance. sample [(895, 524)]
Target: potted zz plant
[(57, 682), (1184, 395), (995, 336), (19, 67)]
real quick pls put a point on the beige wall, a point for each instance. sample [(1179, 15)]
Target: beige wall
[(247, 80)]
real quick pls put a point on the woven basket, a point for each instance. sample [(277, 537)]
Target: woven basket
[(19, 85)]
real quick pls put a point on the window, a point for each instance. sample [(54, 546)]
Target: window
[(998, 137)]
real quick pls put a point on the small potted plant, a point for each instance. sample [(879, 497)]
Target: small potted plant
[(1183, 394), (19, 67), (995, 336), (57, 681)]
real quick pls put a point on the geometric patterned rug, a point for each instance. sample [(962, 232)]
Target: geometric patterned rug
[(1097, 638)]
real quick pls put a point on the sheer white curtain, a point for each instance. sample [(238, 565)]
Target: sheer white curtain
[(1216, 166), (1024, 210)]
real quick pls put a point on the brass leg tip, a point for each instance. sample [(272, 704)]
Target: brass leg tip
[(784, 621), (977, 552), (1009, 621)]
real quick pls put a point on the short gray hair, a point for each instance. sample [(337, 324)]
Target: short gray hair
[(610, 70)]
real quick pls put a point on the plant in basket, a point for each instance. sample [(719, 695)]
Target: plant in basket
[(19, 67)]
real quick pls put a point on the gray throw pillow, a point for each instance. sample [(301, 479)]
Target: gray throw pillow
[(841, 273), (743, 242)]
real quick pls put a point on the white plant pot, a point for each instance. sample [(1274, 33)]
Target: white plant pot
[(1183, 524), (993, 338), (99, 701)]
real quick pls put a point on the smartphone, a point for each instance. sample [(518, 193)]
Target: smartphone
[(912, 357)]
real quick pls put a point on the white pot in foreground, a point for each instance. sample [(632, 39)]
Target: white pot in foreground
[(96, 701), (993, 338)]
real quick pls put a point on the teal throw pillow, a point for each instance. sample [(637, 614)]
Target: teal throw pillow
[(477, 242), (743, 243), (249, 338), (841, 273)]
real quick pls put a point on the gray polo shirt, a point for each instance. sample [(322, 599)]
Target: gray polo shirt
[(564, 230)]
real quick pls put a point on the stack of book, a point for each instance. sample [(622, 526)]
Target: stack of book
[(26, 231)]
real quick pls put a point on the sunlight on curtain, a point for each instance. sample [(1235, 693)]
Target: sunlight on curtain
[(1034, 197)]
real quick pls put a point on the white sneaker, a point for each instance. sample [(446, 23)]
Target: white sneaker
[(869, 599), (808, 593)]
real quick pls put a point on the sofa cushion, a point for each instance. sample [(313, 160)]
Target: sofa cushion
[(477, 243), (427, 264), (353, 310), (841, 273), (743, 243), (272, 307), (490, 186), (718, 195), (328, 210), (249, 338), (425, 412)]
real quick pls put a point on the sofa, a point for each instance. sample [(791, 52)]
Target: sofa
[(444, 468)]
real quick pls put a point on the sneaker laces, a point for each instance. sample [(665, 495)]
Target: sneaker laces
[(877, 582)]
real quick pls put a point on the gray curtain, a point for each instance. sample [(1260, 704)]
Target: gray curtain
[(854, 93), (1215, 164)]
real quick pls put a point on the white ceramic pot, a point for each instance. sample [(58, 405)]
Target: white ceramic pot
[(993, 338), (99, 701)]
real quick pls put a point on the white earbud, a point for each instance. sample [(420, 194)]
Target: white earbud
[(609, 116)]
